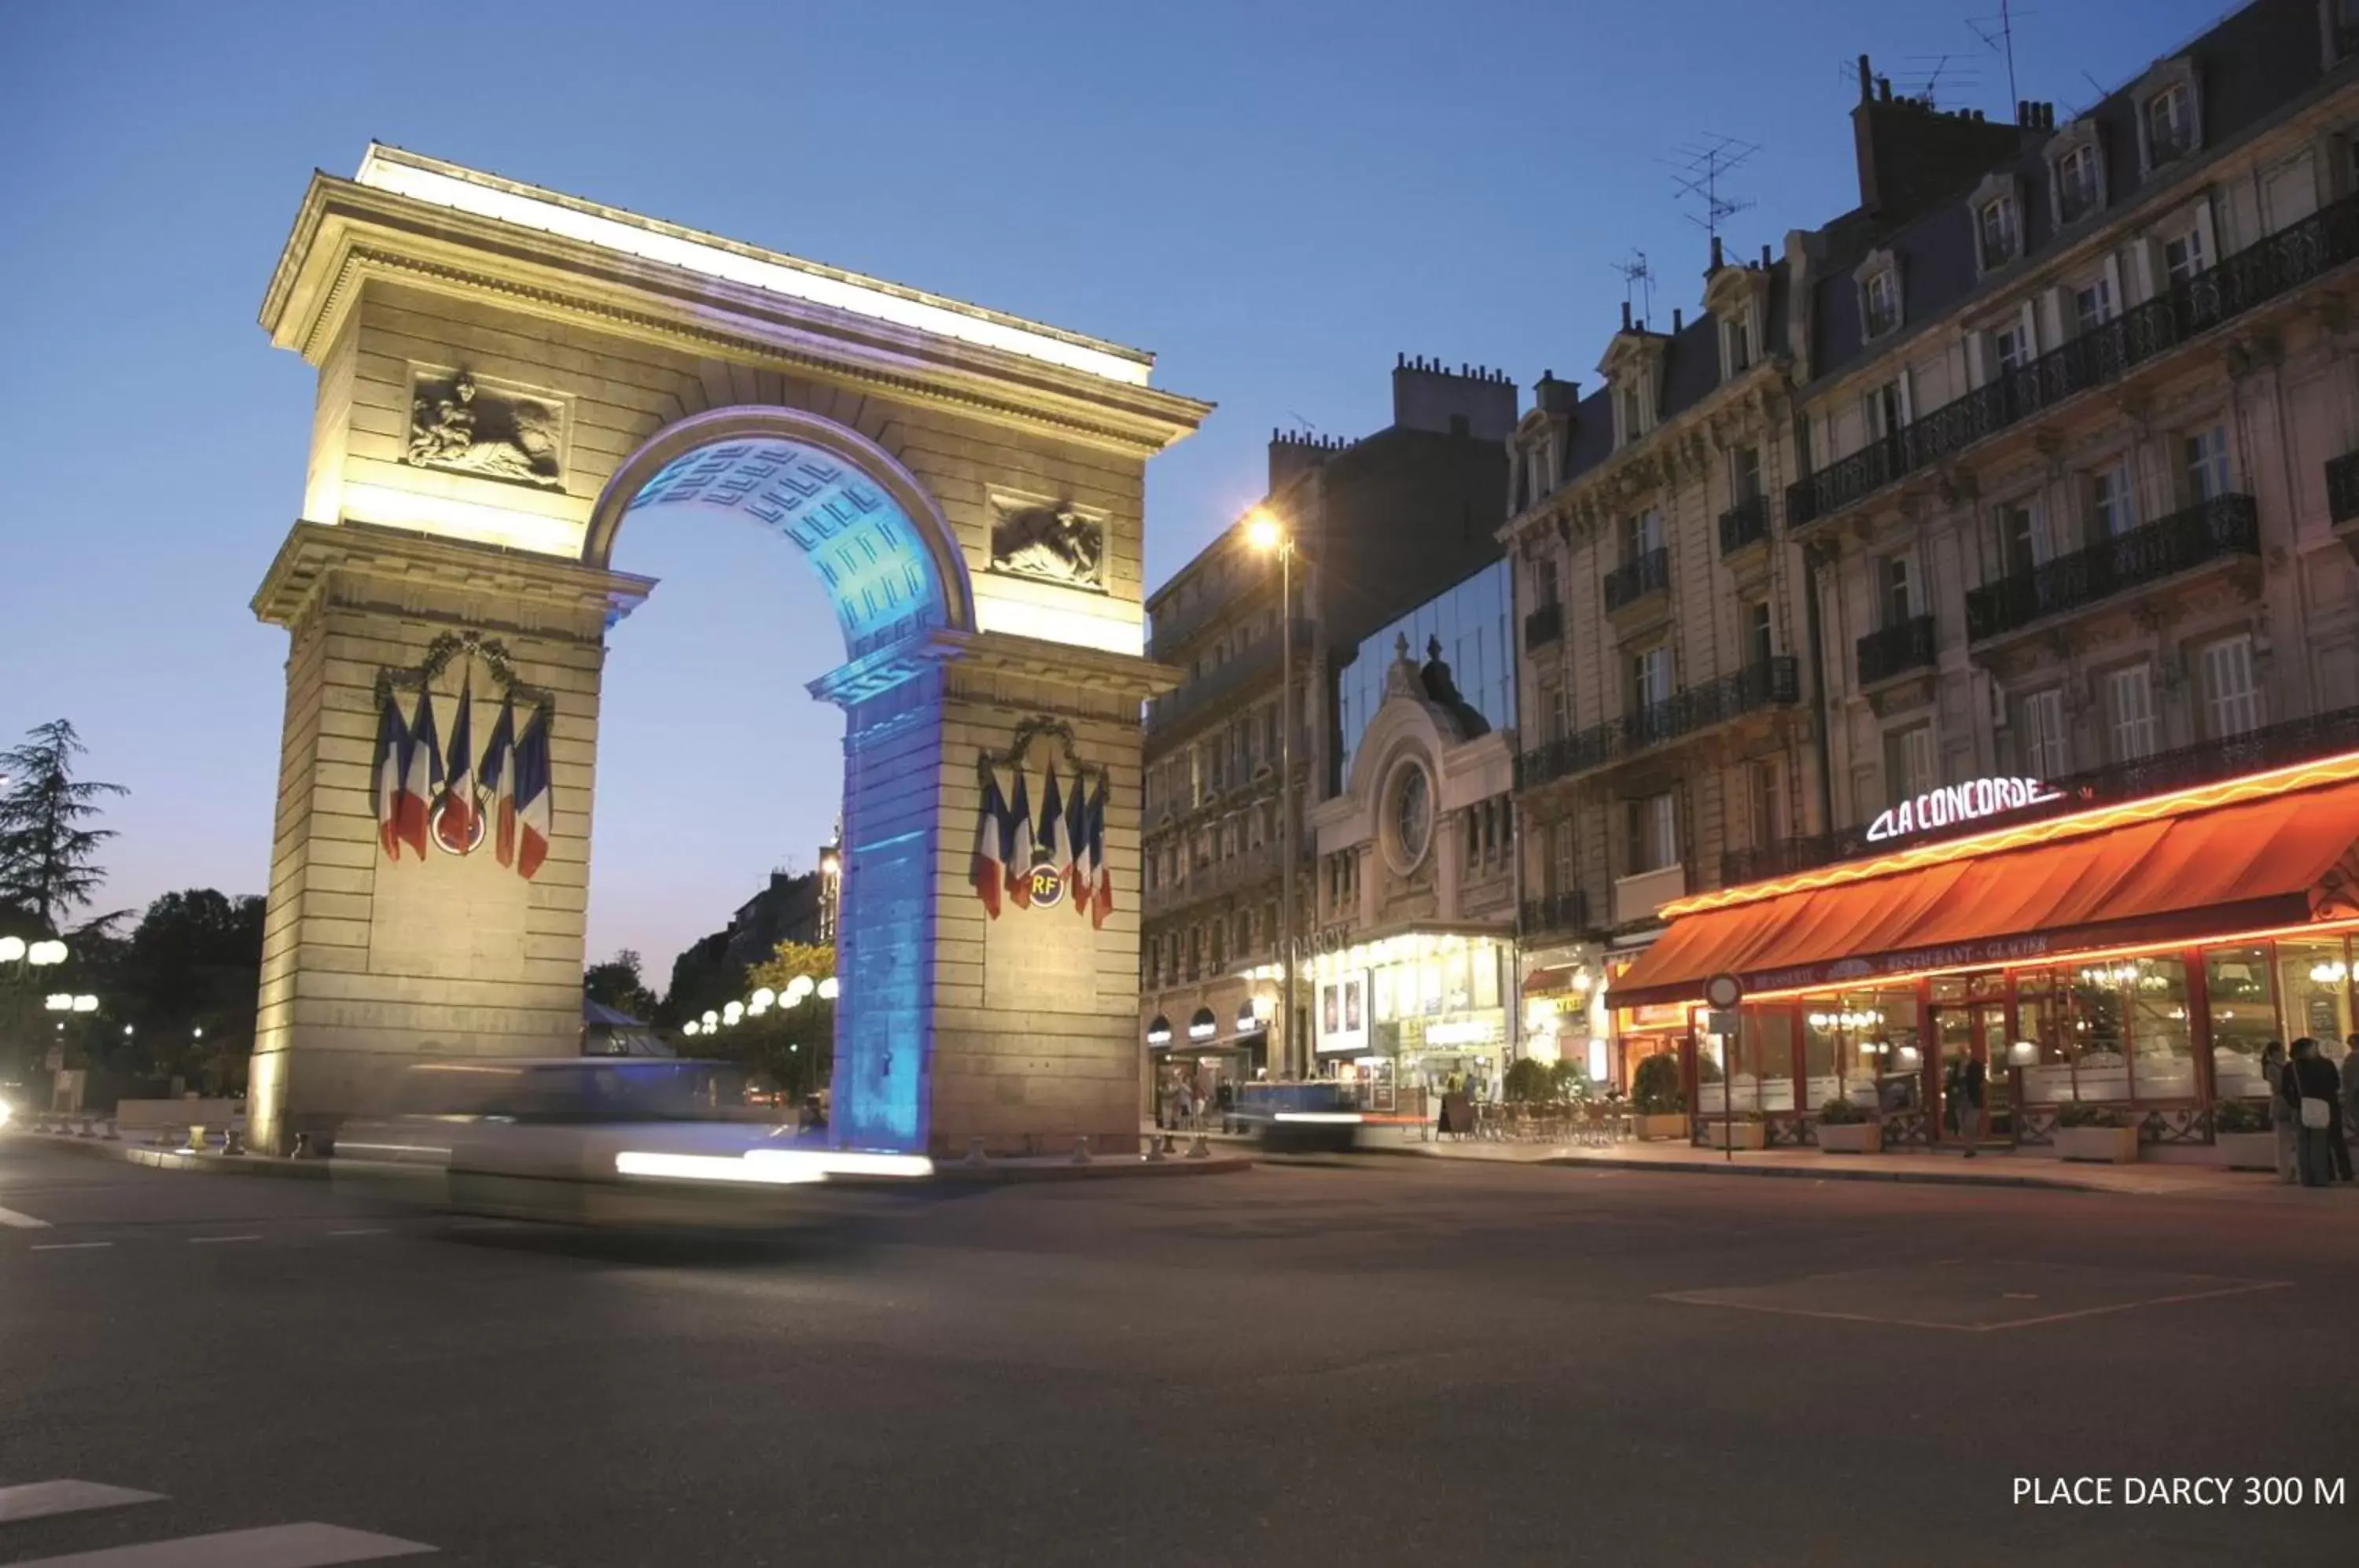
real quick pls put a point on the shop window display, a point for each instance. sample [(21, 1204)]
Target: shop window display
[(2244, 1011)]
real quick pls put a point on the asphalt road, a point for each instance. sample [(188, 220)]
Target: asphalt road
[(1386, 1361)]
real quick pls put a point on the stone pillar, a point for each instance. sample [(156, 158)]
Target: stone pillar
[(954, 1025), (370, 962)]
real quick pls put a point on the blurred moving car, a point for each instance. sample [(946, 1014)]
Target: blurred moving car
[(1299, 1118), (600, 1141)]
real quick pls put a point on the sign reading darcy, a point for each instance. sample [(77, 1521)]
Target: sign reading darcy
[(435, 787), (1037, 858)]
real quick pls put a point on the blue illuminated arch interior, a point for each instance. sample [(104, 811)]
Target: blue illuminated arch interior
[(880, 574)]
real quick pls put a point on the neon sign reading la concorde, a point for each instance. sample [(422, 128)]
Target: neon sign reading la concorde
[(1959, 803)]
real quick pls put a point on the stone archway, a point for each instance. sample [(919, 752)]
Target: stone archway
[(506, 377)]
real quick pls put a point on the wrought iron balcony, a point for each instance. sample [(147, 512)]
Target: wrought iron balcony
[(1771, 683), (2343, 486), (2253, 276), (1543, 626), (1551, 913), (2213, 531), (1172, 627), (1203, 693), (1895, 650), (1216, 878), (1634, 580), (2207, 762), (1745, 523)]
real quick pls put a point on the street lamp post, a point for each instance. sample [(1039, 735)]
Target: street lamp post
[(30, 958), (1265, 533)]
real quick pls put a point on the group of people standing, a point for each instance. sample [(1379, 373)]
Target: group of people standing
[(2311, 1102)]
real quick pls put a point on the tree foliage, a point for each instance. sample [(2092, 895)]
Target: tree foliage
[(186, 981), (48, 842), (617, 984)]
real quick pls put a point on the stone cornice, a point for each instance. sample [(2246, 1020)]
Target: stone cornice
[(1121, 677), (347, 232), (313, 550)]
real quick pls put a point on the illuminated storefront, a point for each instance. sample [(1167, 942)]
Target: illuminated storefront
[(2135, 957), (1412, 1010)]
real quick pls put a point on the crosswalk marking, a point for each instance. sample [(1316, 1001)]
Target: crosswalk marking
[(40, 1500), (276, 1546), (16, 1221)]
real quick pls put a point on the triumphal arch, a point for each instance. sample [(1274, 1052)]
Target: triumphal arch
[(508, 380)]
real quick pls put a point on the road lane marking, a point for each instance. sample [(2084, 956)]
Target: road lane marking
[(41, 1500), (276, 1546), (200, 1240), (67, 1246), (373, 1230), (16, 1221)]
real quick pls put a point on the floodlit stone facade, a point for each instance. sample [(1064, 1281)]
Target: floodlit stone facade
[(506, 376)]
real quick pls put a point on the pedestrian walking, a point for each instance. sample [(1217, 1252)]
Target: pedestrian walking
[(2285, 1113), (1972, 1087), (2338, 1144), (2350, 1094), (2317, 1094)]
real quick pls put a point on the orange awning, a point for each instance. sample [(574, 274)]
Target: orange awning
[(2279, 861)]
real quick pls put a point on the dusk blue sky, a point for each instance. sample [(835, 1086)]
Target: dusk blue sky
[(1275, 198)]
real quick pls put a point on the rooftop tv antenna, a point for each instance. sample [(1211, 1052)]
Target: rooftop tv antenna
[(1925, 82), (1637, 285), (1997, 34), (1699, 168)]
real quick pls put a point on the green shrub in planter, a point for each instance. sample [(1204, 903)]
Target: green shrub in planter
[(1840, 1112), (2241, 1115), (1655, 1091), (1569, 1080), (2080, 1116), (1527, 1082)]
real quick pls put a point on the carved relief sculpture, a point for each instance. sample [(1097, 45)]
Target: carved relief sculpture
[(1053, 544), (458, 425)]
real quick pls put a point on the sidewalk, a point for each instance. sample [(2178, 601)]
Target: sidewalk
[(1989, 1168)]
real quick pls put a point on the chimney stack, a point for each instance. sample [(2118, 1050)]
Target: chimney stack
[(1626, 315), (1716, 262)]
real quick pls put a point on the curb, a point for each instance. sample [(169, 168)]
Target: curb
[(1707, 1167), (174, 1159), (1107, 1168)]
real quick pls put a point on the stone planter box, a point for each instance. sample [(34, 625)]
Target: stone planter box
[(1851, 1138), (1733, 1135), (2248, 1150), (1673, 1125), (2103, 1146)]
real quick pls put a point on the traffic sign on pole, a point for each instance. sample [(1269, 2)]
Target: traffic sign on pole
[(1724, 990)]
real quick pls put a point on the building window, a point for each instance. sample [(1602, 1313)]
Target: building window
[(2000, 231), (1762, 803), (2170, 124), (1909, 768), (2207, 464), (2113, 508), (1744, 473), (1760, 645), (2076, 183), (1650, 677), (2011, 346), (1557, 722), (1899, 589), (1632, 415), (1738, 333), (1887, 410), (2129, 693), (1652, 825), (1559, 866), (2093, 305), (2046, 753), (1642, 535), (2232, 704), (1880, 298), (2020, 545), (2183, 257)]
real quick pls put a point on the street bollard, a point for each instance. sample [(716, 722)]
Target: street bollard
[(1199, 1148), (108, 1132), (303, 1146), (1155, 1154), (233, 1143), (975, 1158), (196, 1144), (1082, 1149)]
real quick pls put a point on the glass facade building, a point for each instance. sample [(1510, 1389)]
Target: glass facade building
[(1471, 620)]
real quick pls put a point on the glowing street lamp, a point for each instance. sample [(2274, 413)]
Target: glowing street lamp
[(1264, 532), (690, 1028), (732, 1012), (85, 1004), (827, 990), (712, 1019)]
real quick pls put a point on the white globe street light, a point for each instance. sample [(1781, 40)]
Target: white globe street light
[(689, 1027), (12, 949), (763, 996), (60, 1001), (41, 954), (732, 1012), (85, 1004), (712, 1019), (827, 990)]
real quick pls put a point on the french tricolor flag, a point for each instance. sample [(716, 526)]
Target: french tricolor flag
[(1055, 837), (1101, 900), (533, 804), (1081, 873), (391, 765), (455, 826), (421, 775), (499, 773), (1019, 843), (988, 870)]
